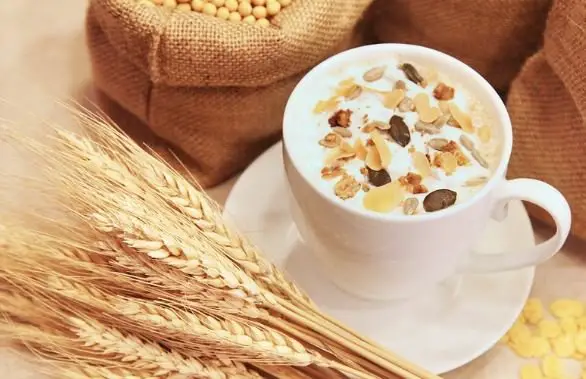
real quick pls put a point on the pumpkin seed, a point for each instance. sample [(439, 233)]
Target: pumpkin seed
[(343, 132), (424, 128), (438, 143), (400, 131), (439, 199), (411, 73), (406, 105), (479, 158), (353, 92), (374, 74), (473, 182), (378, 177), (467, 142), (410, 206)]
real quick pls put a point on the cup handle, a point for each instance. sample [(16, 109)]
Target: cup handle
[(538, 193)]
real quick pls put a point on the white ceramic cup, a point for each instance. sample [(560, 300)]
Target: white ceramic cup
[(389, 256)]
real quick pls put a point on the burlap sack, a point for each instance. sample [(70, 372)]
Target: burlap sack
[(214, 89), (547, 103), (495, 37)]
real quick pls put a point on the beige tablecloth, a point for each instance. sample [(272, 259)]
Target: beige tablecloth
[(43, 58)]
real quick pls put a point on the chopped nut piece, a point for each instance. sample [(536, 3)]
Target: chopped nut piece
[(332, 172), (399, 84), (406, 105), (443, 92), (365, 187), (364, 171), (347, 187), (384, 199), (412, 183), (410, 206), (330, 140), (343, 132), (340, 118), (452, 147), (374, 74)]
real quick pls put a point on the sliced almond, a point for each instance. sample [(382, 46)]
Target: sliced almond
[(330, 140), (461, 118), (344, 151), (421, 101), (353, 92), (372, 125), (449, 163), (374, 74), (484, 133), (373, 159), (430, 115), (344, 87), (328, 105), (421, 164), (392, 99), (382, 147), (385, 198), (360, 149), (444, 106), (342, 132)]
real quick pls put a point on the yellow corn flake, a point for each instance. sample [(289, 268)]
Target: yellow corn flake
[(583, 375), (531, 372), (519, 333), (578, 356), (552, 367), (540, 346), (580, 341), (524, 349), (533, 311), (569, 325), (549, 328), (563, 346), (567, 308), (581, 321)]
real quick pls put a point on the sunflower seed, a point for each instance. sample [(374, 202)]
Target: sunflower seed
[(411, 73), (438, 143), (467, 142), (439, 199), (374, 74), (424, 128), (479, 158)]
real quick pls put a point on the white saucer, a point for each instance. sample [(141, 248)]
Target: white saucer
[(441, 331)]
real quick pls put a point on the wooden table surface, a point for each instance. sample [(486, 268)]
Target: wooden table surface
[(43, 58)]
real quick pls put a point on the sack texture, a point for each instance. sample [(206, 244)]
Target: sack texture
[(547, 103), (494, 37), (213, 89)]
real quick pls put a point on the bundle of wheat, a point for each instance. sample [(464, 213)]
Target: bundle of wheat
[(143, 278)]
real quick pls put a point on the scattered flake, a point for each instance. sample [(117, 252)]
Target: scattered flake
[(567, 308), (384, 199), (347, 187), (461, 118), (533, 311)]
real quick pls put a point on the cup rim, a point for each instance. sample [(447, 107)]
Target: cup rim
[(502, 119)]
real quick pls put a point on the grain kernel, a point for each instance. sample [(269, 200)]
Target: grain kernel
[(218, 3), (232, 5), (223, 13), (172, 4), (273, 7), (209, 9), (259, 2), (249, 20), (184, 7), (245, 9), (235, 17), (259, 12), (263, 22), (285, 3), (197, 5)]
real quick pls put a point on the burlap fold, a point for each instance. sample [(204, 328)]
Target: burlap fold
[(547, 103), (214, 89)]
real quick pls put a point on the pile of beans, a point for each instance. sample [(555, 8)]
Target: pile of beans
[(259, 12)]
